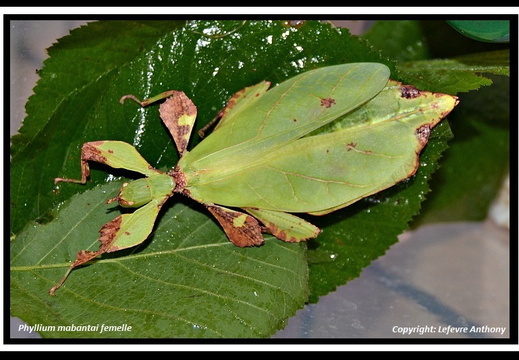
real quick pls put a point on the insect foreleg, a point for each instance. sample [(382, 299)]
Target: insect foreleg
[(116, 154), (149, 101), (88, 153)]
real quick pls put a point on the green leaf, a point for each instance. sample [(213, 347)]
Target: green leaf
[(460, 74), (187, 280), (413, 43)]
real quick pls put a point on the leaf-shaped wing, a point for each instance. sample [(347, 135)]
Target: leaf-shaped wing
[(287, 112)]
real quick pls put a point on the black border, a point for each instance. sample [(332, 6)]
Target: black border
[(513, 339)]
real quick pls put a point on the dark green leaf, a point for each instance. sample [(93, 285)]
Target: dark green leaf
[(455, 75), (410, 43), (399, 40), (480, 152)]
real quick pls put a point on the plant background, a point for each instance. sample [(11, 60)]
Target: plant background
[(417, 278)]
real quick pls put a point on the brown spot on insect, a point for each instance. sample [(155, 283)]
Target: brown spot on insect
[(180, 180), (232, 102), (282, 235), (353, 146), (327, 102), (294, 120), (422, 134), (126, 233), (111, 200), (121, 201), (90, 152), (108, 232), (410, 92)]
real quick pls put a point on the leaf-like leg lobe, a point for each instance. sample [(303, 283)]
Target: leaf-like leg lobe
[(116, 154), (124, 231), (242, 230), (284, 226), (178, 114), (108, 232)]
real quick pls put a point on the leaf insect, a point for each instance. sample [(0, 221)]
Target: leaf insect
[(290, 166)]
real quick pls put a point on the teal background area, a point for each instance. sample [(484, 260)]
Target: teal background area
[(483, 30)]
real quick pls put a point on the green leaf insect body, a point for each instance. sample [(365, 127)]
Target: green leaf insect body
[(312, 144)]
